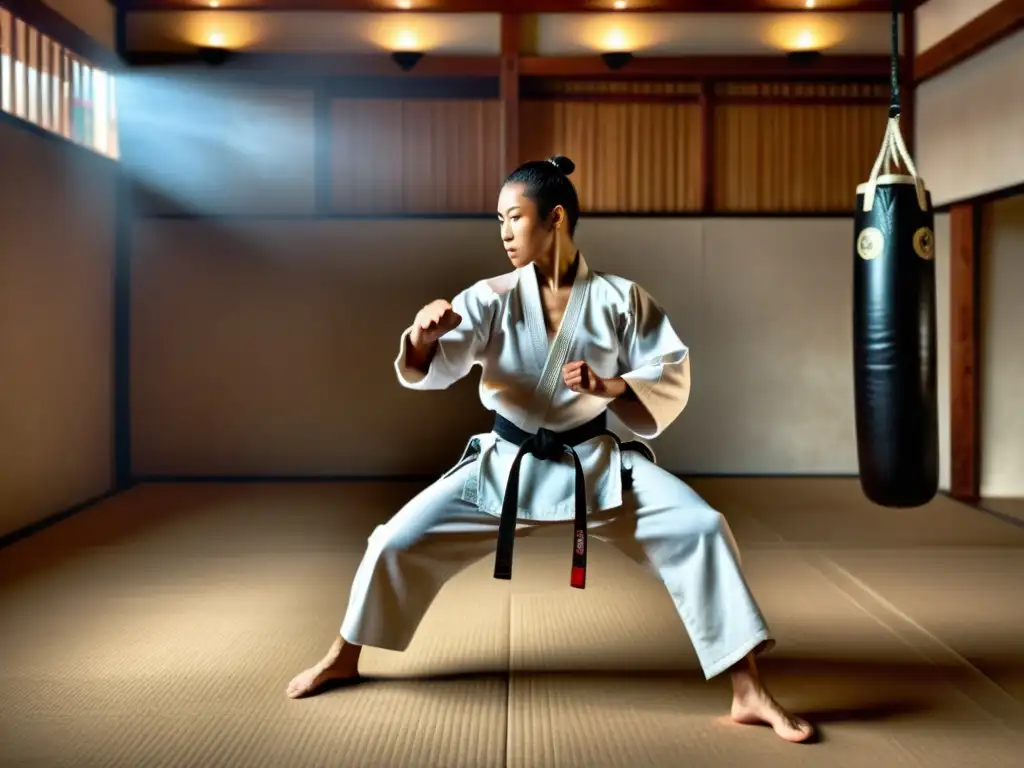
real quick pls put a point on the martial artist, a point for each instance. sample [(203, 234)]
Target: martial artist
[(558, 345)]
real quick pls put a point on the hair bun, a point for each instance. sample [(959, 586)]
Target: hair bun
[(563, 163)]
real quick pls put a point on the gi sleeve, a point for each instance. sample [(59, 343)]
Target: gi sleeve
[(657, 366), (459, 349)]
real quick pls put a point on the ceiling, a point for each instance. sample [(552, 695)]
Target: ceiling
[(551, 28), (522, 6)]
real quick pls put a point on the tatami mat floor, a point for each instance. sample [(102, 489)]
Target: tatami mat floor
[(160, 628)]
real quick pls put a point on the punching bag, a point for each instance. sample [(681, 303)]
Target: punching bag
[(894, 327)]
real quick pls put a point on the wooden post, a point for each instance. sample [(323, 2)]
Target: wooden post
[(511, 33), (707, 146), (125, 218), (965, 327)]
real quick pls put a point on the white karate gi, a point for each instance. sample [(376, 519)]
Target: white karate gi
[(619, 330)]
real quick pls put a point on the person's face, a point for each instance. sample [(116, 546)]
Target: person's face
[(525, 236)]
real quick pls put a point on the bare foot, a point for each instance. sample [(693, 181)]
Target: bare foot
[(341, 663), (757, 707)]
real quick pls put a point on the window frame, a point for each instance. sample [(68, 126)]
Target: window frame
[(44, 83)]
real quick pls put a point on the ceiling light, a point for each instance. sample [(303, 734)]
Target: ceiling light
[(805, 41), (405, 5), (804, 58), (406, 40), (615, 60), (406, 60), (620, 4), (615, 40), (809, 3)]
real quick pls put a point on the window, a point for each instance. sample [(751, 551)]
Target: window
[(46, 84)]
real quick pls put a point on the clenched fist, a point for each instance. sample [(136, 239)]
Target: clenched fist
[(579, 377), (432, 322)]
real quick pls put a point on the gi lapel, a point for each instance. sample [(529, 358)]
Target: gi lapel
[(554, 356), (533, 312)]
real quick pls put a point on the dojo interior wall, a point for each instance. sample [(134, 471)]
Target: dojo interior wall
[(265, 348), (970, 120), (254, 292), (267, 304), (1002, 351), (56, 324)]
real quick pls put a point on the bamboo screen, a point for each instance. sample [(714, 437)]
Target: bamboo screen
[(637, 146), (794, 148), (414, 156)]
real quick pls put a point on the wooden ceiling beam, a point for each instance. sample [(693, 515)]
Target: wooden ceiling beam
[(329, 65), (860, 68), (516, 6), (709, 67)]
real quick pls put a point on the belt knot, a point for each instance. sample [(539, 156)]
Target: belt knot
[(546, 445)]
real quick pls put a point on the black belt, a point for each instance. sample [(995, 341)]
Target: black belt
[(546, 446)]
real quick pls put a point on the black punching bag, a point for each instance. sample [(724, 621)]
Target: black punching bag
[(894, 349), (894, 334)]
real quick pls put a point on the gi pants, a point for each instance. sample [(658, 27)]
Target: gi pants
[(662, 524)]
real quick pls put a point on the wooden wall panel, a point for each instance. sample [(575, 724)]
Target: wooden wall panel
[(796, 151), (639, 149), (414, 156), (631, 157)]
